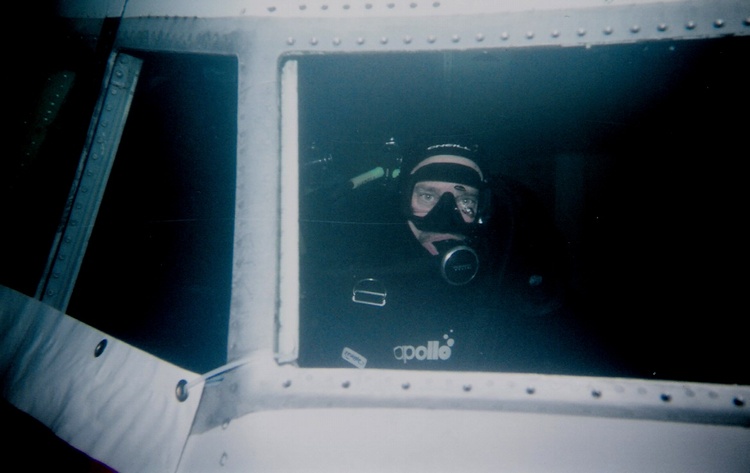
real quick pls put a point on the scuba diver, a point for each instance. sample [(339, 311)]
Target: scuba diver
[(455, 278), (444, 204)]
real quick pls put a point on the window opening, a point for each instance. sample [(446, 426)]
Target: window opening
[(613, 210), (157, 270)]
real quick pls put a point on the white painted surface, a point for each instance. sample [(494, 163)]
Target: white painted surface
[(422, 440), (119, 408)]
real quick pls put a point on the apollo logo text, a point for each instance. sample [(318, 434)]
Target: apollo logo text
[(432, 351)]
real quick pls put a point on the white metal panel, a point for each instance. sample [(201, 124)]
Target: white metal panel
[(115, 403), (289, 278), (351, 9), (417, 440)]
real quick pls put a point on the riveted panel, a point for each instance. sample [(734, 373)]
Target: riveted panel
[(88, 189)]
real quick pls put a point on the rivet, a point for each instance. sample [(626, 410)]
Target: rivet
[(360, 40), (608, 30), (413, 5), (635, 29), (391, 5), (286, 383), (324, 7), (479, 37), (596, 393), (431, 39), (555, 33), (405, 386), (467, 387), (581, 32), (383, 40), (530, 390), (662, 27), (368, 6), (666, 397), (690, 25), (181, 391), (504, 35), (313, 40), (290, 41), (346, 384), (346, 6), (100, 348), (407, 39), (747, 21), (455, 38), (718, 23), (738, 401), (529, 34), (303, 7), (336, 41), (435, 4), (50, 292), (272, 9)]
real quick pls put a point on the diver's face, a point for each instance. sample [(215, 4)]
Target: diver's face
[(427, 194)]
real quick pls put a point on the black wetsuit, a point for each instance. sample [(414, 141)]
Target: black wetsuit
[(511, 317)]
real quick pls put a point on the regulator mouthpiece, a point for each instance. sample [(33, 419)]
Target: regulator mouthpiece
[(459, 263)]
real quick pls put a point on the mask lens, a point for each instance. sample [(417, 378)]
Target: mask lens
[(444, 210), (467, 206)]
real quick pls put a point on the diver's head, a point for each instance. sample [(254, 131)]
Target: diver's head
[(444, 190)]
